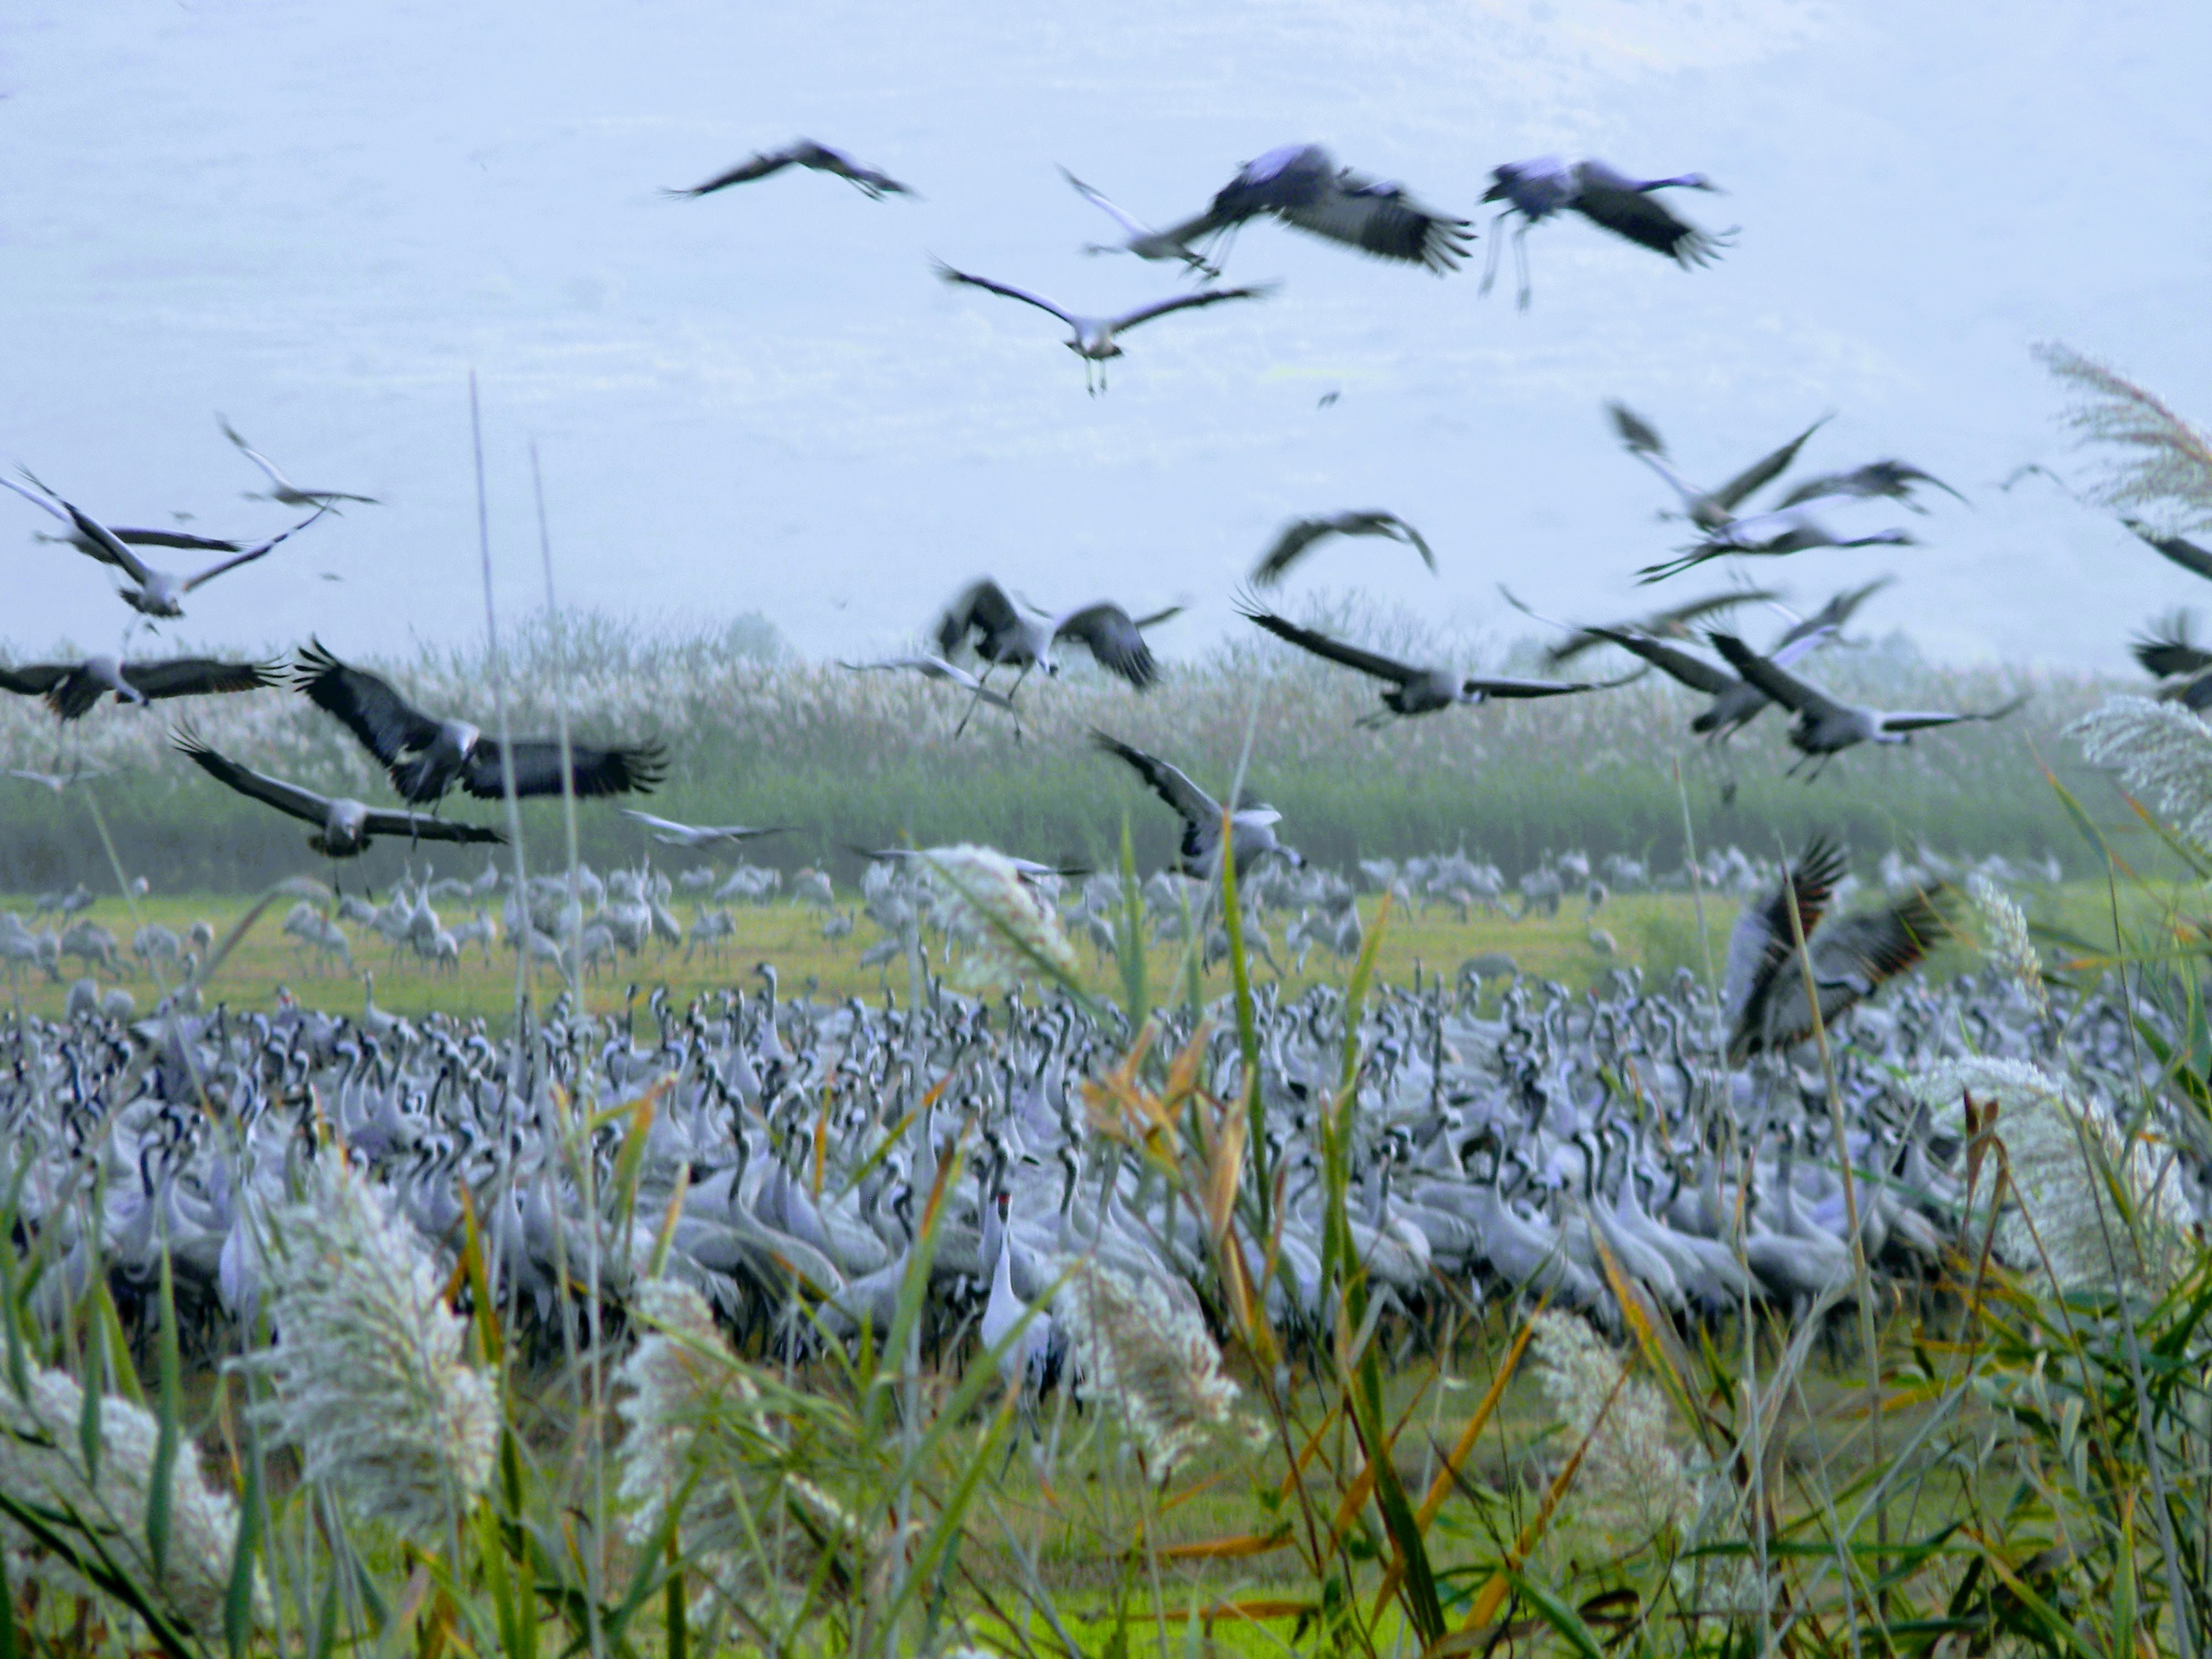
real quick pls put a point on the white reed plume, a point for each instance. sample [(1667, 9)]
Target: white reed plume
[(2167, 460), (2077, 1180), (1016, 935), (1149, 1363), (1633, 1474), (101, 1509), (2004, 935), (366, 1369), (699, 1433), (2160, 751), (679, 1374)]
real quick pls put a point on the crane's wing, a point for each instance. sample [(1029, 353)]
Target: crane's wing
[(1333, 650), (1862, 953), (1800, 643), (1186, 302), (983, 603), (1192, 804), (421, 826), (671, 833), (1920, 720), (381, 720), (267, 466), (91, 536), (303, 803), (198, 677), (1892, 479), (1679, 665), (593, 771), (1114, 640), (1786, 689), (1487, 687), (1761, 938), (1381, 220), (2196, 561), (1676, 621), (1829, 617), (948, 274), (1639, 434), (823, 159), (35, 679), (758, 165), (1105, 204), (1692, 497), (2167, 649), (1154, 618), (176, 538), (1302, 533), (247, 555), (1607, 199), (1766, 469), (39, 502)]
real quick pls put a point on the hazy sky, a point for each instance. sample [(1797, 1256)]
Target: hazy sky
[(318, 217)]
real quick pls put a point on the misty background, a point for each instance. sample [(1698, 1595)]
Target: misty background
[(318, 219)]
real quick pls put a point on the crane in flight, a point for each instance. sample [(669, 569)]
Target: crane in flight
[(344, 827), (1736, 701), (1672, 623), (936, 668), (282, 489), (1710, 510), (1772, 535), (1302, 185), (70, 688), (1824, 727), (1140, 238), (669, 833), (1251, 826), (1007, 635), (157, 594), (800, 152), (1298, 536), (1094, 339), (426, 756), (1762, 994), (1415, 689), (1546, 184)]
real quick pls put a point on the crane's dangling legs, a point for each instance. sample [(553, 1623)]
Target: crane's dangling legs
[(1490, 256), (1521, 265), (969, 713)]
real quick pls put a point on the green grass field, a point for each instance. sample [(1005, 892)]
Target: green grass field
[(1657, 932)]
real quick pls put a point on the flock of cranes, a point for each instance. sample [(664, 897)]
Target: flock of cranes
[(796, 1141)]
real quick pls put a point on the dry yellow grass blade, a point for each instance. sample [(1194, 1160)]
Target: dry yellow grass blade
[(1493, 1595)]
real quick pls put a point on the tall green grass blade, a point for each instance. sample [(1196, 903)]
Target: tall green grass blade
[(1563, 1618), (123, 1375), (9, 1647), (171, 1377), (1129, 939), (88, 1417), (238, 1596)]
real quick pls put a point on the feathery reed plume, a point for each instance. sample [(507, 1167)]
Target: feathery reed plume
[(2069, 1161), (1014, 934), (367, 1369), (43, 1465), (2160, 751), (2167, 460), (699, 1433), (1633, 1474), (2004, 936), (1149, 1362)]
